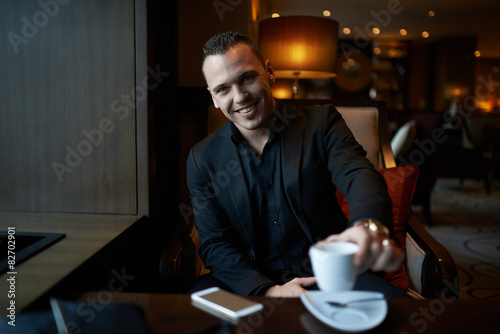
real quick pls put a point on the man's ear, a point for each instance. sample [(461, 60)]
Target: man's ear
[(270, 72), (213, 100)]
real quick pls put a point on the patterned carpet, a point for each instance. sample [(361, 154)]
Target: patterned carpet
[(467, 223)]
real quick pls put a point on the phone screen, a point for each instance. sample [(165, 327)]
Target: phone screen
[(228, 300)]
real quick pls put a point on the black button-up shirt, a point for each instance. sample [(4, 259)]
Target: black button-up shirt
[(281, 246)]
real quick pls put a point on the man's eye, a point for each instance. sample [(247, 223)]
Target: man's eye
[(248, 78), (221, 90)]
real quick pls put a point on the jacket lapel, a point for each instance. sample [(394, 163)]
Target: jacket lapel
[(291, 155), (237, 186)]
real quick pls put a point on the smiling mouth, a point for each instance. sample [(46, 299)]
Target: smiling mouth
[(246, 110)]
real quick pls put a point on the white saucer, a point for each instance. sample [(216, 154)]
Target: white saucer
[(357, 317)]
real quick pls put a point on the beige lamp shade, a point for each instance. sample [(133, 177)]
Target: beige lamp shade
[(300, 46)]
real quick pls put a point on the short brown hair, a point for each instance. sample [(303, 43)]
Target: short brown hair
[(223, 42)]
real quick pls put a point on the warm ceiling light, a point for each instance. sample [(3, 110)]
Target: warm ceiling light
[(425, 34), (376, 31), (477, 54), (348, 63), (326, 13), (275, 15), (300, 46), (346, 31), (403, 32), (431, 13), (377, 51), (394, 53)]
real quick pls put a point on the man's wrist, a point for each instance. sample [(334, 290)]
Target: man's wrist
[(262, 290)]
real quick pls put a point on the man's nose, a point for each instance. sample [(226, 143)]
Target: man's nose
[(239, 94)]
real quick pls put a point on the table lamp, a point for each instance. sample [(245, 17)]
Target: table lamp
[(300, 47)]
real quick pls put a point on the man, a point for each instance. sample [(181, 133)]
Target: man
[(263, 185)]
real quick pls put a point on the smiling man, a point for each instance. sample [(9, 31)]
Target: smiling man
[(286, 164), (240, 84)]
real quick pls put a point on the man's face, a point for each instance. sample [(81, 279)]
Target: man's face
[(241, 87)]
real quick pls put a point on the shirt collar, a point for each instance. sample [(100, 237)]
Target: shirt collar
[(236, 136), (238, 139)]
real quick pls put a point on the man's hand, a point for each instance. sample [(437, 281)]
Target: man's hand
[(375, 251), (294, 288)]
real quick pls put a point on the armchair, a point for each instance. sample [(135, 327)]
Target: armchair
[(428, 270)]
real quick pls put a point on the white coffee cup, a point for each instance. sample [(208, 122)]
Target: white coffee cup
[(333, 265)]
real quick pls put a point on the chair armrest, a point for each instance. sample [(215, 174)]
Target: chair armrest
[(439, 272), (179, 259)]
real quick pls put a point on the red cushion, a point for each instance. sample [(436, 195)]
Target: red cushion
[(401, 186)]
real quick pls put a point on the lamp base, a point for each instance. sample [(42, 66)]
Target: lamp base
[(295, 85)]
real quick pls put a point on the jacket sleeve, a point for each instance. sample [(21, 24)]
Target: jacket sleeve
[(227, 254), (354, 175)]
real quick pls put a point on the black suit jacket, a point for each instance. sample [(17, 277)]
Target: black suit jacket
[(319, 154)]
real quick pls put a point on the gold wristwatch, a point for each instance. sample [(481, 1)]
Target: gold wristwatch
[(375, 226)]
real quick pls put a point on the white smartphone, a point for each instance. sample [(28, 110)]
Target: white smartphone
[(224, 304)]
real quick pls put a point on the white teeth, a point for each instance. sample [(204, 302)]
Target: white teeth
[(245, 110)]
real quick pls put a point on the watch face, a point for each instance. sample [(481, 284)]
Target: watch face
[(376, 226)]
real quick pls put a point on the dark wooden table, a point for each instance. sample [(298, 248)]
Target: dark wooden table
[(86, 235), (171, 313)]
